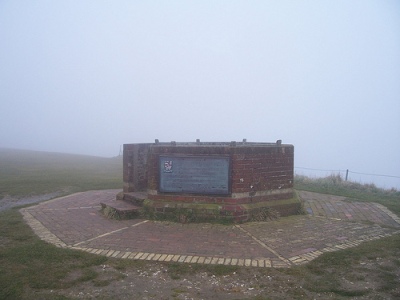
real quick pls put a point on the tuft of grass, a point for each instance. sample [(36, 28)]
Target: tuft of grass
[(111, 213), (222, 270), (179, 270)]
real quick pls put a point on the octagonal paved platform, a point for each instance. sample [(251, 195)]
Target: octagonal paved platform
[(331, 224)]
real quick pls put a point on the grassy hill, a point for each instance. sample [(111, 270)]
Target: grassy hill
[(24, 172)]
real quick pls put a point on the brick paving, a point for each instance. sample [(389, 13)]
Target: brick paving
[(331, 224)]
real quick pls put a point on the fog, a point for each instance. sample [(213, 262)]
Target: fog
[(88, 76)]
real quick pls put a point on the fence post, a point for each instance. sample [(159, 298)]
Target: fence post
[(347, 174)]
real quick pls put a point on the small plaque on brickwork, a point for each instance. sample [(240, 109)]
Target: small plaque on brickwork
[(194, 174)]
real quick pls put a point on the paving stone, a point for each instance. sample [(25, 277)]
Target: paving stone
[(188, 259), (150, 257), (144, 256), (175, 258), (156, 256), (261, 263), (182, 258), (201, 260), (207, 260), (227, 261), (139, 255), (332, 224)]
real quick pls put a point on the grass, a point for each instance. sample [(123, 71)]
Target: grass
[(330, 273), (179, 270), (25, 173), (28, 264), (26, 261), (336, 185)]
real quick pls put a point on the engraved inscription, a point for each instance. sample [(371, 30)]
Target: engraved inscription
[(194, 174)]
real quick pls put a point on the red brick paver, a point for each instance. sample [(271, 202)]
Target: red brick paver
[(332, 223)]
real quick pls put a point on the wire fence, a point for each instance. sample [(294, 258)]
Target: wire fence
[(382, 180), (347, 171)]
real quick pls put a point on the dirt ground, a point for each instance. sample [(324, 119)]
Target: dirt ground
[(157, 281)]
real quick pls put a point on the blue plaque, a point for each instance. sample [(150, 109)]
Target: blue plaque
[(194, 174)]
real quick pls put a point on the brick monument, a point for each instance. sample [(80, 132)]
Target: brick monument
[(235, 181)]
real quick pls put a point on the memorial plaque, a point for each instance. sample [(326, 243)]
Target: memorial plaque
[(194, 174)]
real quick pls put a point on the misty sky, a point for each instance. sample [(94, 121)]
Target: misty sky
[(88, 76)]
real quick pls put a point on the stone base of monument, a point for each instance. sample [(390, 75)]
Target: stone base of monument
[(134, 205), (126, 206), (231, 213)]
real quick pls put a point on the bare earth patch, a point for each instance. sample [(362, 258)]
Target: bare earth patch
[(374, 278)]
